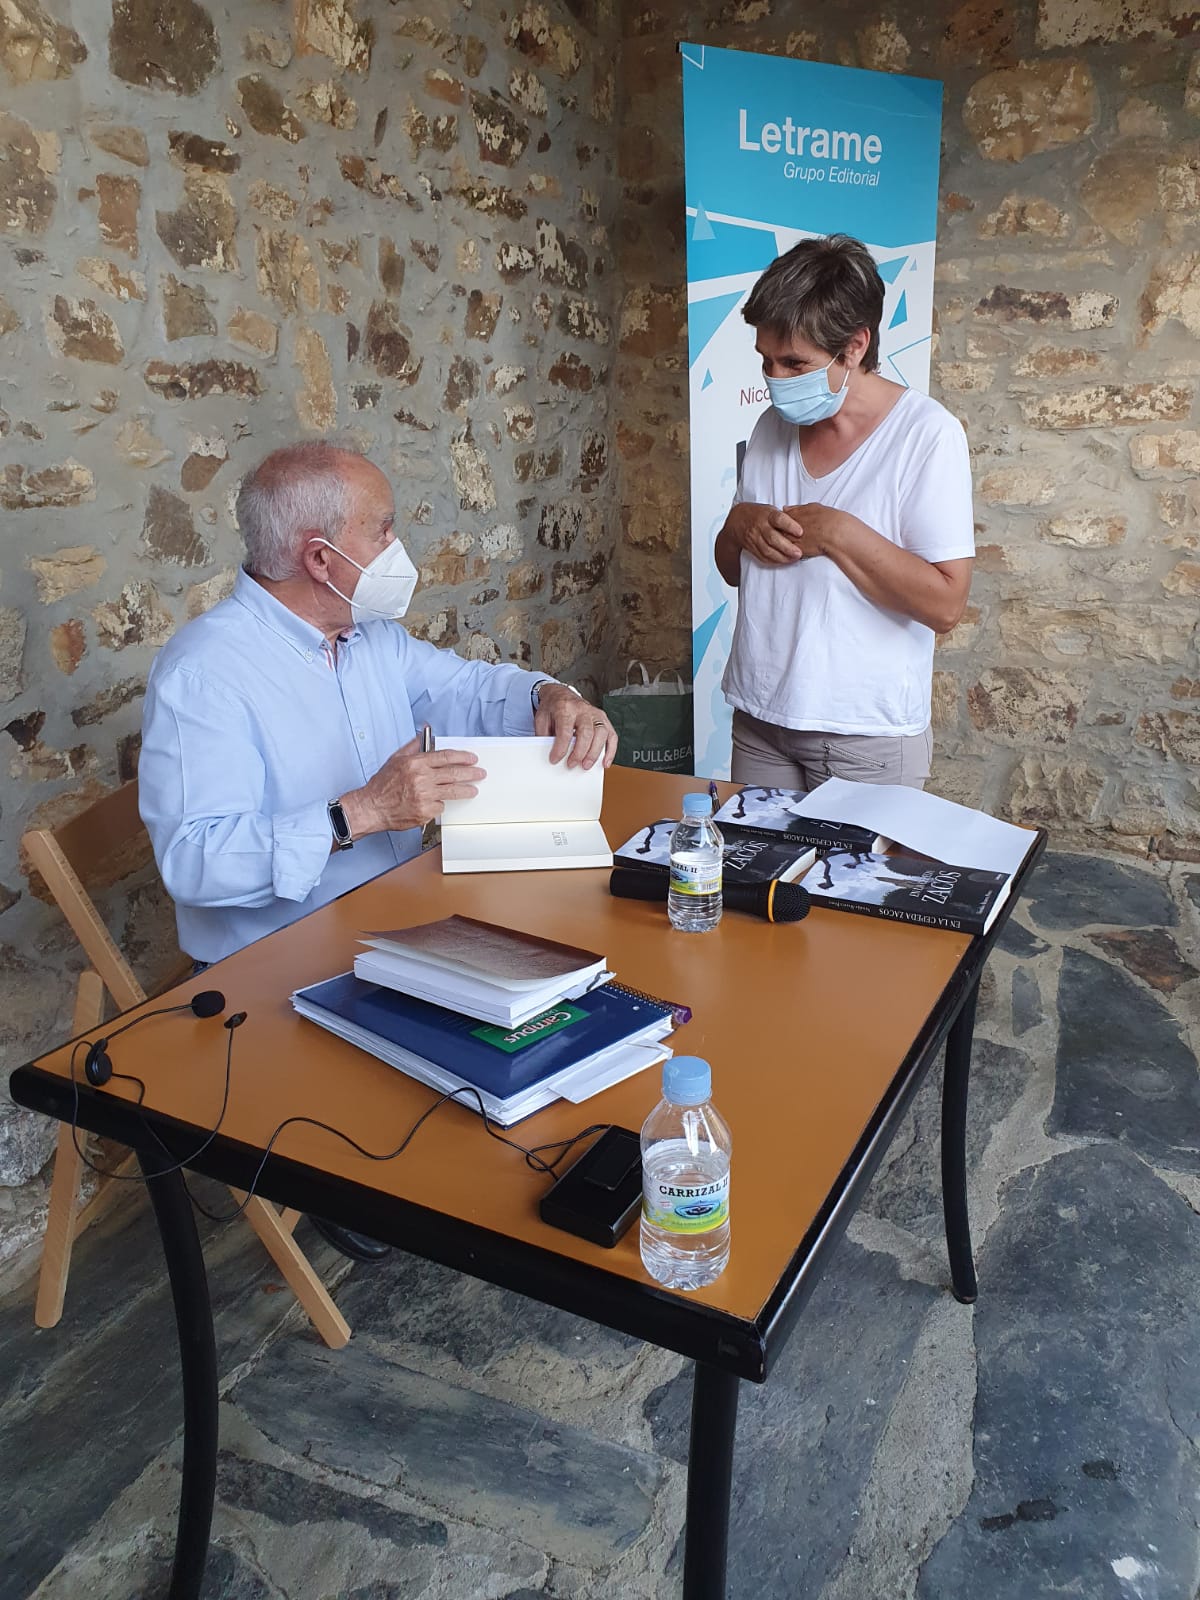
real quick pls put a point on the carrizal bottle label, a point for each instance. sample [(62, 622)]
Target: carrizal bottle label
[(685, 1207), (695, 877)]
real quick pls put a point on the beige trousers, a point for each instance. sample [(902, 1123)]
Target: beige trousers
[(787, 758)]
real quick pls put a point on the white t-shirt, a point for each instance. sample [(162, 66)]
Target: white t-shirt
[(810, 651)]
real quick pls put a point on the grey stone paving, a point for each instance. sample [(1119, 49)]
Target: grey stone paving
[(1086, 1470), (468, 1445)]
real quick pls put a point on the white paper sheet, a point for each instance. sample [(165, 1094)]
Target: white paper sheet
[(923, 822)]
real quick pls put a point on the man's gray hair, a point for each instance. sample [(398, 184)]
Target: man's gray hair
[(822, 291), (300, 489)]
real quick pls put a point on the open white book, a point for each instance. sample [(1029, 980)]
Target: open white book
[(528, 813)]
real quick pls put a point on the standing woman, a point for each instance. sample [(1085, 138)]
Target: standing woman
[(850, 539)]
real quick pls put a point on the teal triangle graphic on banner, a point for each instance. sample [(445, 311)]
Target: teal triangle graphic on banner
[(704, 318), (901, 312), (693, 54), (702, 636), (725, 249), (708, 378), (889, 271)]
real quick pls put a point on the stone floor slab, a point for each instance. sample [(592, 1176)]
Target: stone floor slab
[(1069, 891), (110, 1371), (1150, 954), (290, 1500), (1016, 940), (439, 1321), (1087, 1408), (1124, 1069), (1027, 1010), (907, 1191), (806, 1438), (504, 1466)]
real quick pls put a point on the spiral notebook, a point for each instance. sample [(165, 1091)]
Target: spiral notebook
[(572, 1051)]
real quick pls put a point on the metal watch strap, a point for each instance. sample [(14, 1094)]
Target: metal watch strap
[(535, 695), (343, 839)]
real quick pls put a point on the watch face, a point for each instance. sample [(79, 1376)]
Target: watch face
[(341, 828)]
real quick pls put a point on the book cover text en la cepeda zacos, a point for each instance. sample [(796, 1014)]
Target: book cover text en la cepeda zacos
[(907, 888)]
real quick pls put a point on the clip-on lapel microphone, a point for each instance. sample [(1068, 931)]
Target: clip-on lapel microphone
[(97, 1064)]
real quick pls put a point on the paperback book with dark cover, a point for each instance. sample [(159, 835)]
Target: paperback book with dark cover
[(748, 858), (907, 889), (771, 814)]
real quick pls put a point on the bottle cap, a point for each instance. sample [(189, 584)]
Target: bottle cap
[(687, 1080), (697, 805)]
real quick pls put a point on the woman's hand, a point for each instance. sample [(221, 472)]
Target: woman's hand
[(767, 534), (819, 527)]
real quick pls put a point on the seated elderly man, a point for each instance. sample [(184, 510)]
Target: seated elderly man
[(281, 763)]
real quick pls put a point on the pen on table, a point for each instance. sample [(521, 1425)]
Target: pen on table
[(713, 795), (430, 833)]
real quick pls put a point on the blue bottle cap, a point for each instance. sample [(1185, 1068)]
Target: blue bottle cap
[(687, 1080), (697, 805)]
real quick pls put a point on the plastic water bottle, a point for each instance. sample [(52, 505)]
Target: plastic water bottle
[(685, 1180), (697, 855)]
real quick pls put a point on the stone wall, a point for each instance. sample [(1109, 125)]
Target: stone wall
[(223, 227), (1068, 316)]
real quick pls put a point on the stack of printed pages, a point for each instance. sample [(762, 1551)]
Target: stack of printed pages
[(507, 1020)]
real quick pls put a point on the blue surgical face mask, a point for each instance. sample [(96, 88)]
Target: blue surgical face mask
[(807, 398)]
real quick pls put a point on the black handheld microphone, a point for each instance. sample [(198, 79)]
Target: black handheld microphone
[(97, 1065), (774, 900)]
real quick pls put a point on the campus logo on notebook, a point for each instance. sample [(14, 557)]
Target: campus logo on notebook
[(539, 1027)]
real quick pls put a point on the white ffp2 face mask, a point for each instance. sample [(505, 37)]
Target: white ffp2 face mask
[(386, 585)]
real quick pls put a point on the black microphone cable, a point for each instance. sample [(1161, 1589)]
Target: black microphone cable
[(97, 1068), (232, 1025), (534, 1155)]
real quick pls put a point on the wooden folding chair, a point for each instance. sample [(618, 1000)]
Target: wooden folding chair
[(108, 838)]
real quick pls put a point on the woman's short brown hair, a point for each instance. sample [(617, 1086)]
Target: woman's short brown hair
[(824, 291)]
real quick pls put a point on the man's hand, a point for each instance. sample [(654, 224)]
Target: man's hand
[(567, 717), (410, 789)]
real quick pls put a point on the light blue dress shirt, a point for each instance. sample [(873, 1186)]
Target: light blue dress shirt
[(249, 731)]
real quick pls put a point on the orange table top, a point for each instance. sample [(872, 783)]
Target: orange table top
[(806, 1026)]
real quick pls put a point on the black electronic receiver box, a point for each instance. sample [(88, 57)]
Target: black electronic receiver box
[(598, 1196)]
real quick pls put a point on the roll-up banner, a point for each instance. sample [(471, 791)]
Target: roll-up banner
[(776, 151)]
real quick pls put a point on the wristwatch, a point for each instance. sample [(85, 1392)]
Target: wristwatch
[(535, 694), (343, 839)]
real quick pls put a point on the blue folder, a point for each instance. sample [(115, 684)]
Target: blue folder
[(445, 1037)]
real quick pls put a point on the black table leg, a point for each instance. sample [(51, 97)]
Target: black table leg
[(955, 1084), (198, 1364), (710, 1473)]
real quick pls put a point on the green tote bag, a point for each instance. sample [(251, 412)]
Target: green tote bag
[(653, 719)]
